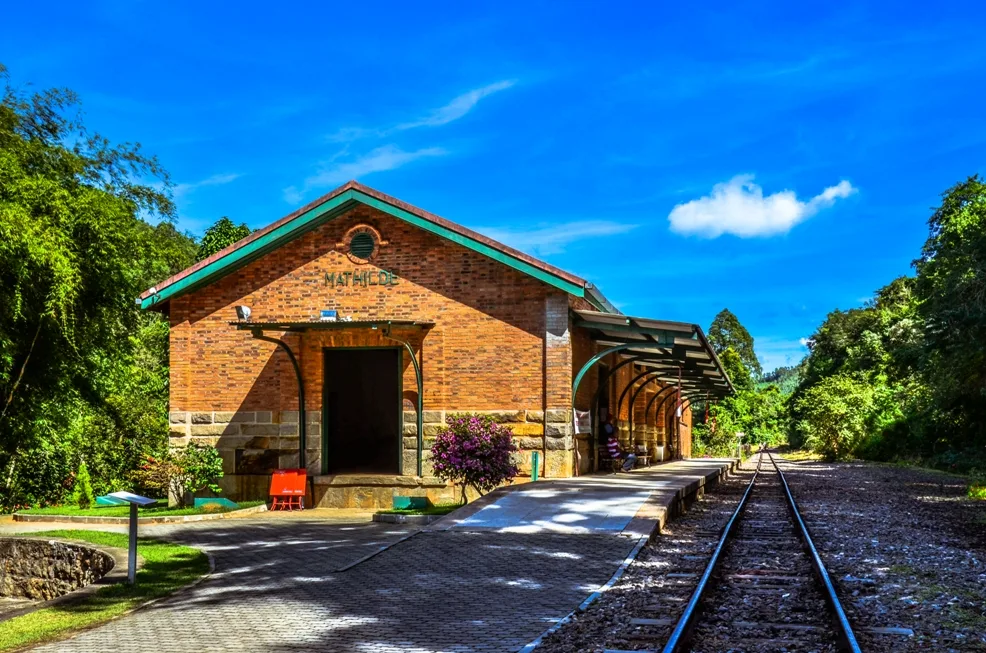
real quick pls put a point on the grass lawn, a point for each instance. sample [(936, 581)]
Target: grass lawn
[(167, 567), (124, 511), (438, 509)]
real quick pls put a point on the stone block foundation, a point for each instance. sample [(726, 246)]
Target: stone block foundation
[(253, 443)]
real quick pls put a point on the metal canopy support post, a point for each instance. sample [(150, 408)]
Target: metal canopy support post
[(420, 380), (302, 417), (673, 395), (633, 400)]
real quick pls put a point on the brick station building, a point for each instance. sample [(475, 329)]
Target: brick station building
[(357, 300)]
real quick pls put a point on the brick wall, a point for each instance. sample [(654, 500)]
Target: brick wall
[(501, 342)]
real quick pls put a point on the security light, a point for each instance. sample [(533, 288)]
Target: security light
[(243, 312)]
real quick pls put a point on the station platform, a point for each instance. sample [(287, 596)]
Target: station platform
[(633, 504)]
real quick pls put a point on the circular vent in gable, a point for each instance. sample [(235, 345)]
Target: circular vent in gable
[(362, 246)]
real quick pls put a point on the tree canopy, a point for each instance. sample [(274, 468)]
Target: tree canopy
[(919, 348), (219, 236), (82, 372), (756, 409), (726, 332)]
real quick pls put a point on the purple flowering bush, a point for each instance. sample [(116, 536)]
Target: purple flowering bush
[(473, 450)]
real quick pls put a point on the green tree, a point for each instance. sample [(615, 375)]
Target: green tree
[(726, 332), (219, 236), (737, 371), (951, 288), (80, 366), (84, 497), (835, 415)]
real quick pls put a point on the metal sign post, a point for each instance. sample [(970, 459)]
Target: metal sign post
[(135, 501)]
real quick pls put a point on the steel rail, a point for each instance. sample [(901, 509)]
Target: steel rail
[(677, 639), (846, 635)]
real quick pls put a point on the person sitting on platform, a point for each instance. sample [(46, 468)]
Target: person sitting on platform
[(615, 452)]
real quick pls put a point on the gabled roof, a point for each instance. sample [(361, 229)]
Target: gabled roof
[(336, 203)]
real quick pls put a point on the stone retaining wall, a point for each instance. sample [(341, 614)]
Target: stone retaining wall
[(45, 569)]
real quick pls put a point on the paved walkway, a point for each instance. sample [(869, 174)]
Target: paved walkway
[(483, 585), (591, 504)]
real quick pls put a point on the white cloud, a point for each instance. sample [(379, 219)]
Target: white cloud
[(452, 111), (458, 107), (387, 157), (739, 207), (179, 191), (545, 240)]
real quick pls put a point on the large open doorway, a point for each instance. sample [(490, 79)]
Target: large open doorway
[(361, 417)]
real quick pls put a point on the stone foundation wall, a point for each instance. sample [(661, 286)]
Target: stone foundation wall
[(534, 430), (253, 443), (45, 569)]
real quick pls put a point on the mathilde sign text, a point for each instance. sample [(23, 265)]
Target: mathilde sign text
[(361, 278)]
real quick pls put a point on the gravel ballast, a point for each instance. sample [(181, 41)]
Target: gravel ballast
[(905, 546)]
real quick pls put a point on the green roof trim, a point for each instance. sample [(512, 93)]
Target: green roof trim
[(475, 245), (333, 208)]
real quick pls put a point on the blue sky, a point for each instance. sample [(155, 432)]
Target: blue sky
[(774, 159)]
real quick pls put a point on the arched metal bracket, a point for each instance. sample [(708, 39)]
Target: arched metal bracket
[(420, 380), (302, 418), (655, 397), (599, 390), (633, 401), (629, 388)]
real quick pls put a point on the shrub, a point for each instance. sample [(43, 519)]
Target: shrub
[(83, 488), (182, 472), (977, 486), (473, 450), (836, 415)]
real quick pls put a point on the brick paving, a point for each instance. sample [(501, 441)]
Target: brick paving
[(276, 589)]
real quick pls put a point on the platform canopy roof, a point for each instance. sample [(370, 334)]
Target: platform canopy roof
[(665, 347)]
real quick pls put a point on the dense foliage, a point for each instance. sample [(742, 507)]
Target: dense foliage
[(918, 349), (83, 372), (219, 236), (758, 410), (726, 332), (473, 450), (82, 490), (180, 473)]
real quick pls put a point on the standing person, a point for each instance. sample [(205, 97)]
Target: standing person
[(615, 452)]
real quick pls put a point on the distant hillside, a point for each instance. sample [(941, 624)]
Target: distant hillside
[(785, 378)]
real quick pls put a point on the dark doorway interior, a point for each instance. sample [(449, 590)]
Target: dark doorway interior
[(362, 415)]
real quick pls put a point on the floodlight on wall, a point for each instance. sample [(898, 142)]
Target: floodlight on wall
[(243, 312)]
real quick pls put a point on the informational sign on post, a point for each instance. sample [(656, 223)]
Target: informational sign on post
[(583, 421), (135, 501)]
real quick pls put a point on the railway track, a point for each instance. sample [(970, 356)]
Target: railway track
[(763, 588)]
